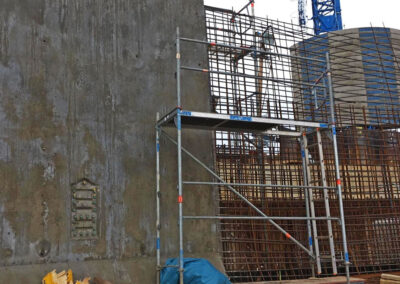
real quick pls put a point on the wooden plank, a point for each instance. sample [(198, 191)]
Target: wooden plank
[(390, 277), (384, 281)]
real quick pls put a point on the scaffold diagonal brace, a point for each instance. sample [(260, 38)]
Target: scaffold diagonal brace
[(283, 231)]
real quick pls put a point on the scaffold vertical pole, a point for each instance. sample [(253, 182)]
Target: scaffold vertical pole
[(311, 204), (158, 196), (179, 150), (307, 205), (337, 169), (326, 202)]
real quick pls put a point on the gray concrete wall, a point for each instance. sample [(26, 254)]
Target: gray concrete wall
[(80, 83)]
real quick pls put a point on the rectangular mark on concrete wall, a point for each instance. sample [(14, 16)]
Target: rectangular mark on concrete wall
[(84, 215)]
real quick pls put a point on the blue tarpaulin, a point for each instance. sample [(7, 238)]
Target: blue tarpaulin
[(196, 271)]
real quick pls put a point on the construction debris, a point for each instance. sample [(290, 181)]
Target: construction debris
[(62, 278)]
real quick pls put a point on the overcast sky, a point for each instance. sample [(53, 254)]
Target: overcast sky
[(355, 13)]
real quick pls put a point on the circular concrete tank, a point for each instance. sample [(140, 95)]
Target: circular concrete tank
[(365, 75)]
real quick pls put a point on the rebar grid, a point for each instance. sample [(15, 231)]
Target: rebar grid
[(275, 72)]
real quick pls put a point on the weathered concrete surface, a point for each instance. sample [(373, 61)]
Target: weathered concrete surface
[(80, 83)]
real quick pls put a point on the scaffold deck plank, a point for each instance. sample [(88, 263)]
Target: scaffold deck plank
[(226, 122)]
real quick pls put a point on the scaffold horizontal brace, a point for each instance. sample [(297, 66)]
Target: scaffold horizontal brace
[(257, 185), (260, 218)]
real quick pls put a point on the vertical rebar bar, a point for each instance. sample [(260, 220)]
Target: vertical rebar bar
[(179, 150), (337, 169), (158, 196)]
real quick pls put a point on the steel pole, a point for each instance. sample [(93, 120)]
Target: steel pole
[(260, 218), (309, 231), (179, 151), (337, 169), (326, 202), (256, 185), (311, 205), (158, 196)]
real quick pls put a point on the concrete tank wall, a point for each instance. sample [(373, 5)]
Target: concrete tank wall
[(80, 85), (364, 72)]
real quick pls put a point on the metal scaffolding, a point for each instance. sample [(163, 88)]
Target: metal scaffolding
[(285, 107), (257, 129)]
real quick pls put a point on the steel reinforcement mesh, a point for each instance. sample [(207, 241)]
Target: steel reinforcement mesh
[(287, 81)]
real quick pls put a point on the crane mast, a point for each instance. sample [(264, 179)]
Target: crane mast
[(327, 16)]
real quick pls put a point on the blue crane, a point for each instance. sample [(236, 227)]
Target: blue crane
[(327, 15)]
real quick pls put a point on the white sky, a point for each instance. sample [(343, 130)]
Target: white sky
[(355, 13)]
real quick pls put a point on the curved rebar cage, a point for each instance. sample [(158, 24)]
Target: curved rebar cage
[(279, 72)]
